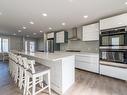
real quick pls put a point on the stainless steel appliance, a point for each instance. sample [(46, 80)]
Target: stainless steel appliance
[(50, 45), (114, 37), (117, 56), (74, 35), (113, 47)]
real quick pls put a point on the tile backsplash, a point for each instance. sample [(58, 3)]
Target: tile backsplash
[(92, 46), (89, 46)]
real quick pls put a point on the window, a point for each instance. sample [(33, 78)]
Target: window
[(5, 45), (32, 46), (29, 46), (0, 45), (25, 46)]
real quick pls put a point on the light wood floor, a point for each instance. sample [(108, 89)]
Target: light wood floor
[(86, 84)]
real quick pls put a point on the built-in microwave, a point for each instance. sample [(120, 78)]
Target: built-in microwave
[(114, 37)]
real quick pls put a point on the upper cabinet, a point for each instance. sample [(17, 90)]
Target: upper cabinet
[(90, 32), (50, 35), (114, 22), (61, 37)]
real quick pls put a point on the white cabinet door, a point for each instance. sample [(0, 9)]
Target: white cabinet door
[(114, 22), (50, 35), (87, 63), (91, 32), (60, 37), (88, 66), (120, 73)]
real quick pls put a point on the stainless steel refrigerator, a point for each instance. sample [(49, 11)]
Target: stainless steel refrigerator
[(50, 45)]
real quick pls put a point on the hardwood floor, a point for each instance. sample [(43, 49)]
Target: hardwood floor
[(86, 84)]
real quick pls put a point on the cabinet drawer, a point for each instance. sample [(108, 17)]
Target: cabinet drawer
[(82, 58), (87, 66), (87, 59), (116, 72)]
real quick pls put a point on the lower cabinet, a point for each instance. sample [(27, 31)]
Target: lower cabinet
[(116, 72), (88, 63)]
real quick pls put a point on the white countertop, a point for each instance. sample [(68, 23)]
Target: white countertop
[(58, 55)]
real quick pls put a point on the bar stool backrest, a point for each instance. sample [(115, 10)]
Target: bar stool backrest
[(25, 63), (15, 58), (31, 64), (20, 60), (10, 54)]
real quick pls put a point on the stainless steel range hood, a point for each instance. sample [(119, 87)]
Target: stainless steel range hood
[(74, 35)]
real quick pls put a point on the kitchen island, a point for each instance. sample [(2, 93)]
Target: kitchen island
[(62, 68), (63, 65)]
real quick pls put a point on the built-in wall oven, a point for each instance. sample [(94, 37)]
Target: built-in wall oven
[(114, 37), (113, 47)]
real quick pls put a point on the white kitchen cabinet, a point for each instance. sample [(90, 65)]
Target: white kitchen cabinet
[(61, 37), (116, 72), (50, 35), (87, 62), (90, 32), (113, 22)]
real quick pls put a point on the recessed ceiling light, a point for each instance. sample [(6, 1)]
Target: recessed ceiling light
[(19, 30), (70, 0), (63, 23), (126, 3), (44, 14), (0, 13), (86, 16), (34, 33), (50, 28), (31, 22), (41, 31), (119, 23), (14, 34), (27, 35), (24, 27)]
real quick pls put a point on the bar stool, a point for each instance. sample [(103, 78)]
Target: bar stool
[(15, 68), (21, 72), (10, 62), (33, 75), (14, 65)]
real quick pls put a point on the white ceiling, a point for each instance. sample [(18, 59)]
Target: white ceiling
[(18, 13)]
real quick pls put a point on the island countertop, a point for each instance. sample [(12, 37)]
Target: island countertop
[(58, 55), (62, 66)]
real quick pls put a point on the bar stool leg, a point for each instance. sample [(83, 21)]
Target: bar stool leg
[(33, 85), (49, 86), (41, 83), (16, 75), (27, 85), (21, 79)]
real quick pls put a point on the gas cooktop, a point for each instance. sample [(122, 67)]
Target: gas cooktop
[(73, 51)]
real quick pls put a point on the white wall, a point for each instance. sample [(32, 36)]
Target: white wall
[(16, 43), (40, 44)]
